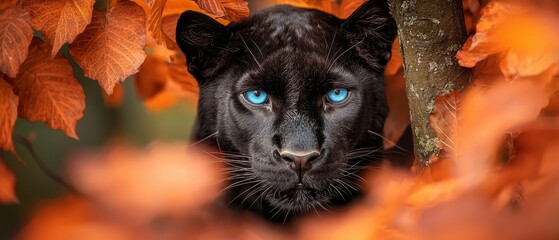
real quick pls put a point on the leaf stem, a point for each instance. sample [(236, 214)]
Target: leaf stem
[(43, 166)]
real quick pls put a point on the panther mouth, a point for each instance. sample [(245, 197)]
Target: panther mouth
[(299, 198), (299, 189)]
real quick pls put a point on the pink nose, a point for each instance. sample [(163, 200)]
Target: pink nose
[(300, 162)]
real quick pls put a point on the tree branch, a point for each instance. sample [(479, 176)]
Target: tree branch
[(43, 166), (431, 32)]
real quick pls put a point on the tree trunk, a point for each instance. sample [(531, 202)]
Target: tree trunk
[(431, 32)]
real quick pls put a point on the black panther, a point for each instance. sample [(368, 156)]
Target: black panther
[(294, 98)]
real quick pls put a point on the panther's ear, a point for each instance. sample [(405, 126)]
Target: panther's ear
[(372, 30), (203, 40)]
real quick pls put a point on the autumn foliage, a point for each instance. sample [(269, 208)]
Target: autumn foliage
[(110, 44), (497, 176)]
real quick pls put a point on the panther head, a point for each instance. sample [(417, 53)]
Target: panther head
[(291, 97)]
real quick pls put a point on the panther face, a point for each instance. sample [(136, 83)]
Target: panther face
[(291, 97)]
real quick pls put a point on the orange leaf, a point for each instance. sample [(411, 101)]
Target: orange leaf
[(59, 20), (72, 218), (48, 90), (7, 184), (525, 37), (15, 39), (169, 26), (154, 19), (114, 100), (347, 7), (338, 8), (162, 100), (471, 14), (154, 10), (127, 179), (157, 74), (178, 73), (234, 10), (8, 107), (7, 3), (111, 47), (151, 78), (297, 3), (179, 6)]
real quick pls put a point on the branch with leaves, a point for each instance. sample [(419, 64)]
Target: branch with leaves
[(110, 40), (109, 44)]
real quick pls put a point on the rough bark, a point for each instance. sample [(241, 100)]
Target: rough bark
[(431, 32)]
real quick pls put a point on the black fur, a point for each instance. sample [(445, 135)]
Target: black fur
[(297, 56)]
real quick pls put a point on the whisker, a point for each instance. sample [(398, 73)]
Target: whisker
[(362, 153), (388, 140), (257, 47), (250, 194), (240, 183), (241, 194), (323, 207), (336, 189), (252, 54), (203, 139), (344, 187), (353, 175), (277, 211), (341, 54), (287, 213), (262, 194), (331, 46)]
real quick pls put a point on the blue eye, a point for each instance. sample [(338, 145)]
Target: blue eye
[(256, 97), (337, 95)]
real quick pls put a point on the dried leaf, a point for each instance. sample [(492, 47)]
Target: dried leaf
[(296, 3), (169, 26), (48, 90), (338, 8), (152, 78), (526, 39), (6, 4), (8, 108), (154, 19), (154, 10), (178, 74), (157, 74), (234, 10), (179, 6), (347, 7), (14, 42), (471, 14), (126, 179), (162, 100), (111, 47), (114, 100), (72, 218), (59, 20), (7, 184), (468, 58)]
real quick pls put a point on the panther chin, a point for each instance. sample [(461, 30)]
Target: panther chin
[(300, 199)]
